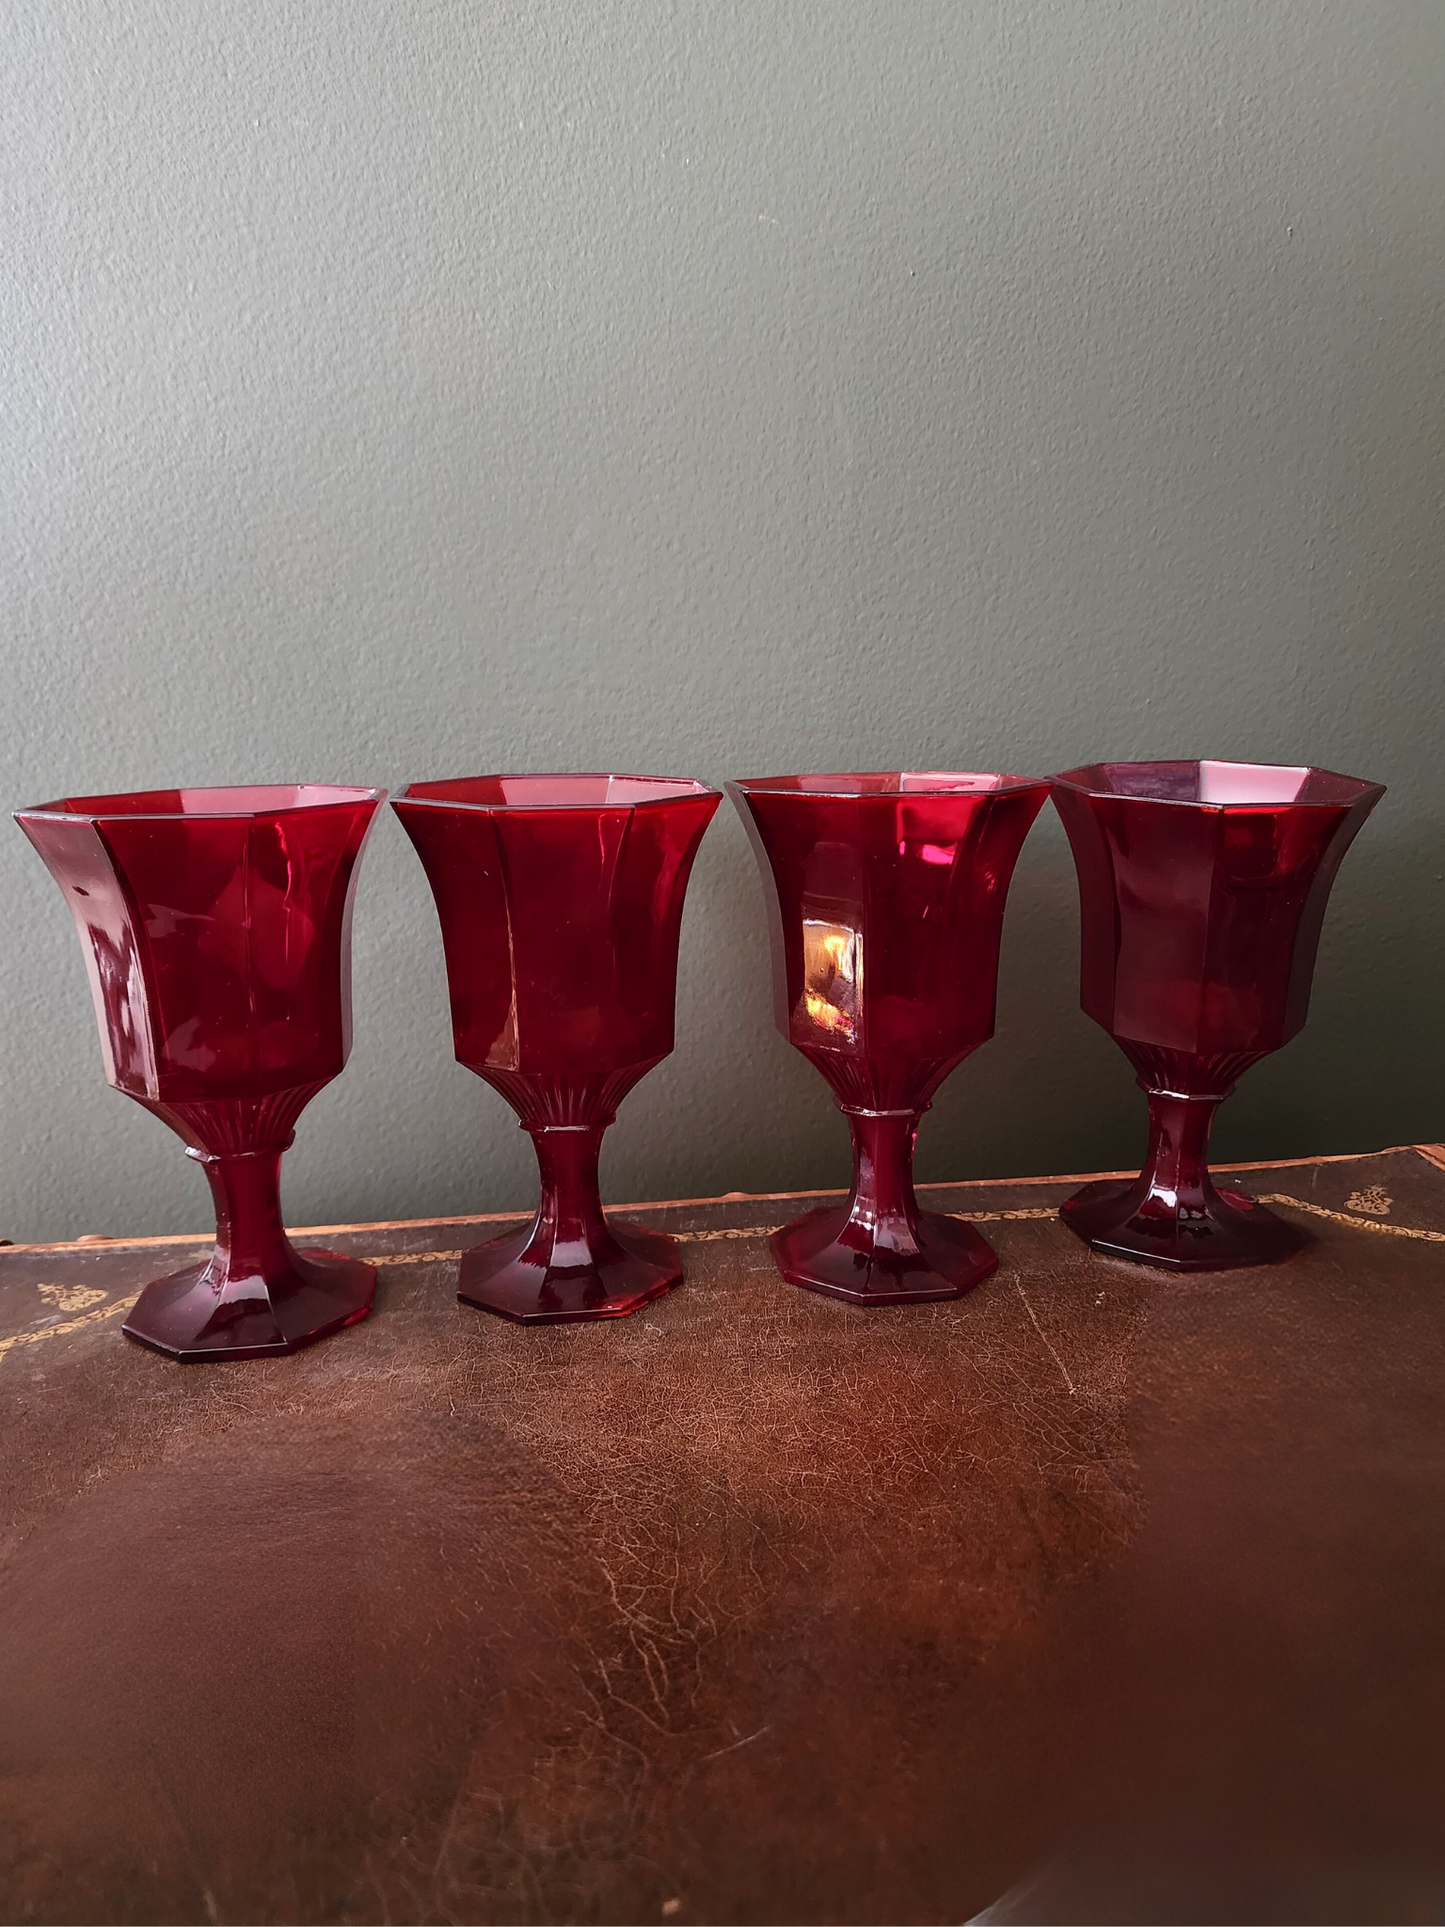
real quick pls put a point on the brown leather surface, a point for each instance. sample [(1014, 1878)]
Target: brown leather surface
[(1102, 1594)]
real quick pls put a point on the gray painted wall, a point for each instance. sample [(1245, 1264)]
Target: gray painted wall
[(399, 390)]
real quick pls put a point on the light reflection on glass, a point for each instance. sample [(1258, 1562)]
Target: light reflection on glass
[(833, 976)]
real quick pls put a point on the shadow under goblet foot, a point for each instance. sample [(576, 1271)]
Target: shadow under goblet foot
[(623, 1270), (1208, 1230), (933, 1257), (193, 1317)]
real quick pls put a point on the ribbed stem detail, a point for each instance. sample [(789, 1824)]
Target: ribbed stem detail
[(234, 1125), (881, 1084), (1177, 1070), (589, 1097)]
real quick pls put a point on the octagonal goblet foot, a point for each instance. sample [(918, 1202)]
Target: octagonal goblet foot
[(191, 1317), (572, 1263), (943, 1258), (1172, 1215), (880, 1248), (256, 1295), (514, 1277), (1208, 1231)]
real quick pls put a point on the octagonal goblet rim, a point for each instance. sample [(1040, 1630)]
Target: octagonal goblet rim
[(1091, 779), (265, 799), (451, 792), (848, 786)]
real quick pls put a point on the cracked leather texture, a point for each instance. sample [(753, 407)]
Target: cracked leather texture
[(1100, 1594)]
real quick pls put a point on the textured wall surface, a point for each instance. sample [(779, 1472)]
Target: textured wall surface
[(401, 390)]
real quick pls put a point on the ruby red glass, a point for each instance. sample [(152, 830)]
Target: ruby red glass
[(885, 901), (560, 899), (216, 925), (1202, 888)]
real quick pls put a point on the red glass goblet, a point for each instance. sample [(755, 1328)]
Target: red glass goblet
[(1202, 888), (560, 899), (216, 925), (885, 907)]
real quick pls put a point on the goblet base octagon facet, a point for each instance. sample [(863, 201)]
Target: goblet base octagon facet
[(1211, 1230), (191, 1317), (880, 1248), (623, 1268), (1173, 1215), (935, 1257)]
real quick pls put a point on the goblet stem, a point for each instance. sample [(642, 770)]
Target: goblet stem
[(1176, 1170), (883, 1209), (251, 1241), (569, 1228)]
